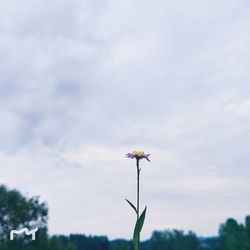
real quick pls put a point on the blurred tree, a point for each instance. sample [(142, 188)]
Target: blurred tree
[(61, 243), (231, 236), (209, 243), (247, 233), (174, 240), (89, 242), (16, 212), (121, 244)]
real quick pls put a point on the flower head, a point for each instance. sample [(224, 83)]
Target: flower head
[(138, 155)]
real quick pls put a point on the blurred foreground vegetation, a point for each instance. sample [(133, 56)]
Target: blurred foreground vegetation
[(18, 211)]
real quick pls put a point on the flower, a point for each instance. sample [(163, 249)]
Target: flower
[(138, 155)]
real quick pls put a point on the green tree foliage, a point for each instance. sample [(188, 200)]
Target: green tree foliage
[(234, 236), (121, 244), (89, 243), (247, 233), (16, 212), (209, 243), (61, 243), (174, 240)]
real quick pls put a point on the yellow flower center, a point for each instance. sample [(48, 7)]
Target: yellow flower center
[(138, 153)]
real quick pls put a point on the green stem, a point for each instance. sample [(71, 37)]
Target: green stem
[(138, 194), (138, 188)]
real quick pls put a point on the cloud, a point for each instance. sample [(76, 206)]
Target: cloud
[(82, 83)]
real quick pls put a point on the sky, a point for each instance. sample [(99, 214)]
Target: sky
[(84, 82)]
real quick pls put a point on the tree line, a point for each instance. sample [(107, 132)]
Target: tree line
[(18, 211)]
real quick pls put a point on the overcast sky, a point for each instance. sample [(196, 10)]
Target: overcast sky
[(84, 82)]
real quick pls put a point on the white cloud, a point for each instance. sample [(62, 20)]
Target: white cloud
[(84, 82)]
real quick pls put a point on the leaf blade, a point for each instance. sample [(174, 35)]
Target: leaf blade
[(132, 205), (138, 228)]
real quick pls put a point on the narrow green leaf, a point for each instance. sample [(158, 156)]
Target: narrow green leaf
[(136, 238), (141, 219), (131, 204), (138, 228)]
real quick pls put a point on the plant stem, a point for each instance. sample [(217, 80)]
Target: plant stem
[(138, 188), (138, 196)]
